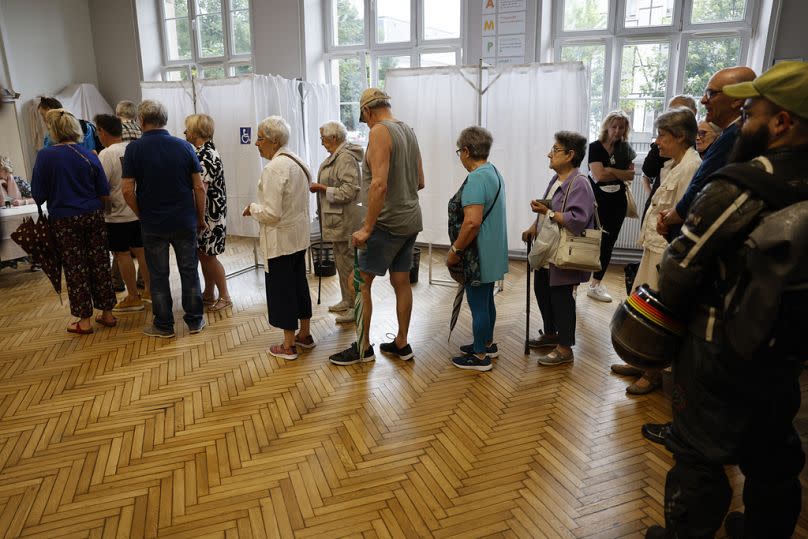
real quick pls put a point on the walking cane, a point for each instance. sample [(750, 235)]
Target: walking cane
[(319, 273), (527, 301)]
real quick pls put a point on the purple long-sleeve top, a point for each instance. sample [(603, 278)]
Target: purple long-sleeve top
[(579, 214)]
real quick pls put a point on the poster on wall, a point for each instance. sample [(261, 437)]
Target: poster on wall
[(504, 23)]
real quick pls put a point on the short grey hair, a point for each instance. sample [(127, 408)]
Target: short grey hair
[(6, 164), (679, 122), (682, 100), (477, 140), (334, 130), (275, 128), (152, 113), (126, 110)]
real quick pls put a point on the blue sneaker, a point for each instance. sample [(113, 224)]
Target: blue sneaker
[(472, 362), (492, 351)]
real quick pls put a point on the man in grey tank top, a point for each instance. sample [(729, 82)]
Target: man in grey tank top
[(393, 170)]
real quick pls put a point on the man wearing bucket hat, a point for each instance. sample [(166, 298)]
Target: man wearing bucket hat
[(736, 405), (393, 167)]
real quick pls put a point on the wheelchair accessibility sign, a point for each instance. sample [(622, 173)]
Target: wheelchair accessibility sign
[(245, 135)]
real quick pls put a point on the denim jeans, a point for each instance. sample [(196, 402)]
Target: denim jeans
[(483, 314), (184, 242)]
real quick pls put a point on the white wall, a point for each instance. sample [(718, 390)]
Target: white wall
[(278, 38), (116, 49), (47, 48), (10, 140), (791, 42)]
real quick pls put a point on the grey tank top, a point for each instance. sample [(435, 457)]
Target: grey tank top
[(401, 213)]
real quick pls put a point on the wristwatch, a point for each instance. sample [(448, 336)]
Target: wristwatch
[(455, 250), (550, 214)]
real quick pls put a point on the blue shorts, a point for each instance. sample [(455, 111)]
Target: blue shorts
[(384, 251)]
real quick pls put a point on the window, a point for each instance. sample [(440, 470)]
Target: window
[(367, 38), (640, 53), (206, 38)]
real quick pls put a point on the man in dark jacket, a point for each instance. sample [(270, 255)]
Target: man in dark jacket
[(726, 409)]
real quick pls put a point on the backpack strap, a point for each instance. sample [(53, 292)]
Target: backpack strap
[(763, 185)]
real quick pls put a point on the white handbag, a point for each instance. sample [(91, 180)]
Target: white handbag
[(546, 243), (579, 252)]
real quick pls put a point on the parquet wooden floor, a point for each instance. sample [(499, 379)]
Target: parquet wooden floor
[(120, 435)]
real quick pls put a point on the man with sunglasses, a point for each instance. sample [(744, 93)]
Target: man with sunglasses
[(736, 375), (725, 112)]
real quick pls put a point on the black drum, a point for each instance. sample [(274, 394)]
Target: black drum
[(645, 334)]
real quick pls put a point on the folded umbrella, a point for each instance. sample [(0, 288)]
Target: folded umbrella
[(38, 240), (359, 308)]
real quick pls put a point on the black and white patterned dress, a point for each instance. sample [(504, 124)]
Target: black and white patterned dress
[(211, 241)]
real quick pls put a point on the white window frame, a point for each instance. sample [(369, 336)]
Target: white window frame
[(228, 61), (680, 33)]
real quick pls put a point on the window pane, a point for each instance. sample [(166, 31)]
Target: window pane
[(205, 7), (211, 36), (176, 74), (175, 8), (349, 21), (213, 72), (392, 21), (641, 13), (241, 70), (441, 19), (585, 14), (239, 4), (178, 39), (389, 62), (240, 39), (593, 57), (643, 79), (348, 71), (718, 11), (433, 59), (705, 57)]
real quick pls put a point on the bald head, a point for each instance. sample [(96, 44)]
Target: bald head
[(733, 75), (722, 110)]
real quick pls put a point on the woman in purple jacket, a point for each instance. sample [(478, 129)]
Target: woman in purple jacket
[(554, 286)]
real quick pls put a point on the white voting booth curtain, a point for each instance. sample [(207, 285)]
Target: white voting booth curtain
[(523, 107), (236, 105)]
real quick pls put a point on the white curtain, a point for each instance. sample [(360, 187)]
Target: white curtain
[(242, 102), (437, 103), (84, 101), (523, 107)]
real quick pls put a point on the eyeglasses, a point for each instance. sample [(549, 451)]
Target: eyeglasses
[(457, 151), (710, 93), (556, 150), (701, 134)]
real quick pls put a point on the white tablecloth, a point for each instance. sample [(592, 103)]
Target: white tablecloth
[(10, 219)]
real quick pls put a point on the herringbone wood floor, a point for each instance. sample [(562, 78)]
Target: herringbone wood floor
[(120, 435)]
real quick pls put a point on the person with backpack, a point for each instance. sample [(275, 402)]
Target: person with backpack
[(736, 395), (90, 140)]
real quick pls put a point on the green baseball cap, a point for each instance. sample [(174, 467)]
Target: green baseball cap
[(785, 85)]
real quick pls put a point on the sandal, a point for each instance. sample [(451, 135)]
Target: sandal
[(75, 328), (103, 322), (207, 302), (219, 304)]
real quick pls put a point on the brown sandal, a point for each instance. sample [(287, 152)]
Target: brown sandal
[(220, 304)]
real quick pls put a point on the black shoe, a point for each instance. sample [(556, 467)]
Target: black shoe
[(656, 432), (404, 353), (350, 355), (655, 532), (734, 525), (544, 340), (472, 362), (491, 351)]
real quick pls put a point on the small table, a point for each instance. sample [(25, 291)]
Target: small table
[(10, 219)]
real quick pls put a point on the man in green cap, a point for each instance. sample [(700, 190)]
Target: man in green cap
[(735, 399)]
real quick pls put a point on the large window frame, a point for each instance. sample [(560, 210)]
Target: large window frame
[(680, 34), (370, 52), (230, 62)]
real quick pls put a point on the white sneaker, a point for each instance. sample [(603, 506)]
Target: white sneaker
[(341, 306), (599, 293), (346, 318)]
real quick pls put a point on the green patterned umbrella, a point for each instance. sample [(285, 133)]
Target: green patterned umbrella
[(359, 308)]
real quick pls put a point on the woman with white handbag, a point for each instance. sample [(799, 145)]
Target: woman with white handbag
[(572, 208)]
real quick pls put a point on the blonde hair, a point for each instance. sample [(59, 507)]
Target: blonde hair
[(63, 126), (200, 125), (6, 164), (614, 115)]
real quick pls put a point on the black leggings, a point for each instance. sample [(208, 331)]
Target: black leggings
[(612, 212), (288, 298), (557, 306)]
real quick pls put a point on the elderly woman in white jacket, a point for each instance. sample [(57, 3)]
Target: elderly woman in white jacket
[(338, 187), (282, 212), (676, 137)]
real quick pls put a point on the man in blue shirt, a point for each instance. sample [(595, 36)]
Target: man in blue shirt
[(163, 186), (725, 112)]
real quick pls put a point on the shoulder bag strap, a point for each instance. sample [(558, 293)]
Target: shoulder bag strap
[(567, 193), (93, 172), (303, 168), (495, 198)]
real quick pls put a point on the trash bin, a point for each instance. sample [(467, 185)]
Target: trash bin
[(323, 259), (416, 264)]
